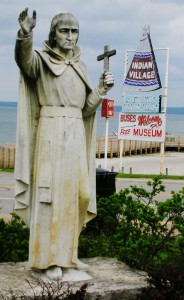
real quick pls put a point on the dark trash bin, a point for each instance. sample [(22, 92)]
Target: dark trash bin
[(105, 182)]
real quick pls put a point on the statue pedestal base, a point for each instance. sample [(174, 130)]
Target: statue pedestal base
[(106, 277), (75, 275)]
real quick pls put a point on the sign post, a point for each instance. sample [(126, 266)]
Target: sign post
[(162, 148), (121, 144), (107, 112), (106, 104)]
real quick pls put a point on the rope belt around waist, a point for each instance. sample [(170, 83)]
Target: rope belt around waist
[(60, 111)]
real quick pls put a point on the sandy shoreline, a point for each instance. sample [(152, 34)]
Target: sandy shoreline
[(147, 163)]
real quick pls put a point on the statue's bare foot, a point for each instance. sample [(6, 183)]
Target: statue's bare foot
[(54, 273), (82, 266)]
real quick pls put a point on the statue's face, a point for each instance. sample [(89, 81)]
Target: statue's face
[(67, 31)]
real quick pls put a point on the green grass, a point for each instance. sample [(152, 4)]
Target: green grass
[(7, 170), (173, 177), (124, 175)]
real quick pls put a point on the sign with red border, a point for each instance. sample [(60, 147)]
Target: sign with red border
[(147, 127)]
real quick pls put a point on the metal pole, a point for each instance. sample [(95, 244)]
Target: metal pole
[(121, 154), (106, 140), (121, 144), (162, 148)]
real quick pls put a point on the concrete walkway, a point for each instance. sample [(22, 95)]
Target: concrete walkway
[(173, 163)]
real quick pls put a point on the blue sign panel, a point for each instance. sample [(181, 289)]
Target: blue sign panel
[(141, 104)]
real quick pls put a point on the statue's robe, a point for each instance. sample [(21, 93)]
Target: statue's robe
[(55, 153)]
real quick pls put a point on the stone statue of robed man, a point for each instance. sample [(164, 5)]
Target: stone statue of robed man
[(55, 152)]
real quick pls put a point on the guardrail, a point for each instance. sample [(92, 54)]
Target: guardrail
[(129, 147)]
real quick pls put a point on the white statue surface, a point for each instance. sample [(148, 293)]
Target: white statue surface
[(55, 153)]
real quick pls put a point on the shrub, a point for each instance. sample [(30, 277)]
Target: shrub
[(166, 281), (144, 233), (14, 240), (135, 228)]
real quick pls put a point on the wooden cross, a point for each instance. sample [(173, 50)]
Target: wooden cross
[(105, 56)]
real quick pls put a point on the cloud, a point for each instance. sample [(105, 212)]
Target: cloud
[(114, 22)]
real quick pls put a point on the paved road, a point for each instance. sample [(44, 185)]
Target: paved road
[(170, 185), (6, 193), (7, 189), (148, 164)]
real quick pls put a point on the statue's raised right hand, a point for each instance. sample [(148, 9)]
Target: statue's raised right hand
[(27, 23)]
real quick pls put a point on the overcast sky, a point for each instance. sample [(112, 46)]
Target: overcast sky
[(117, 23)]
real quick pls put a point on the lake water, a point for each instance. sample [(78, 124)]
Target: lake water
[(8, 114)]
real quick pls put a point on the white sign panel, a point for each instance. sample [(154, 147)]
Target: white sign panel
[(141, 103), (145, 127)]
